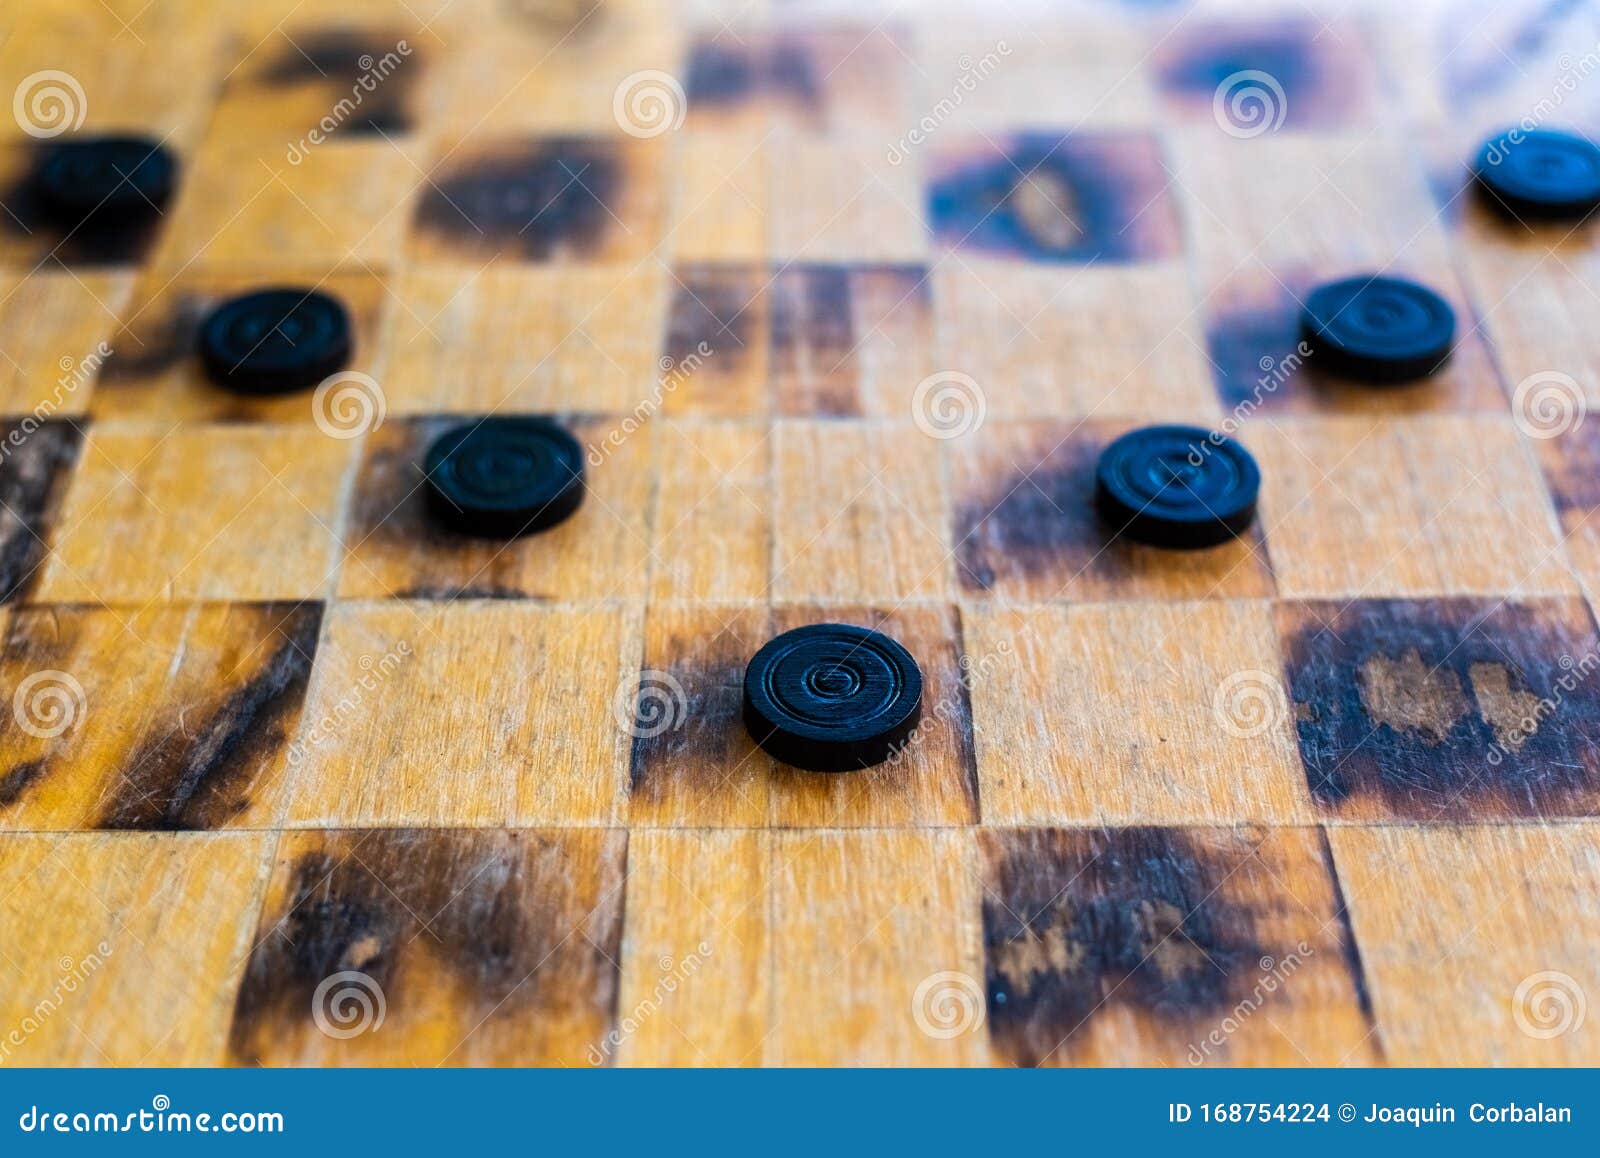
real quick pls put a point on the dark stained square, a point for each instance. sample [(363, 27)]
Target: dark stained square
[(36, 461), (1446, 709), (544, 199), (1047, 197), (1262, 76)]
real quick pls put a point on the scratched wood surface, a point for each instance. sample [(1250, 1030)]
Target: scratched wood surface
[(842, 302)]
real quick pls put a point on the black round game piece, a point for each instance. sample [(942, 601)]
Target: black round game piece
[(275, 341), (831, 697), (106, 181), (1378, 329), (1539, 174), (1177, 486), (504, 477)]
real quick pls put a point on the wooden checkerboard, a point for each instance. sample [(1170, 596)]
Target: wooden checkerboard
[(290, 775)]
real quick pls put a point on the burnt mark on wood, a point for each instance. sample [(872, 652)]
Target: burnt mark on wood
[(1448, 709), (1080, 922), (1256, 354), (369, 79), (159, 345), (724, 74), (814, 340), (1040, 520), (16, 781), (1571, 463), (550, 199), (713, 308), (520, 922), (1291, 75), (34, 473), (689, 711), (1057, 199), (198, 767)]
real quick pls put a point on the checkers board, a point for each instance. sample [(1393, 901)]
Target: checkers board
[(842, 302)]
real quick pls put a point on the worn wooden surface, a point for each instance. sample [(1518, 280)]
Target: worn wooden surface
[(289, 775)]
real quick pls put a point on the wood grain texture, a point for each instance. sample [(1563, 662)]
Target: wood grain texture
[(53, 339), (859, 514), (1439, 505), (513, 701), (695, 960), (861, 920), (124, 949), (223, 513), (1464, 969), (1128, 713)]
